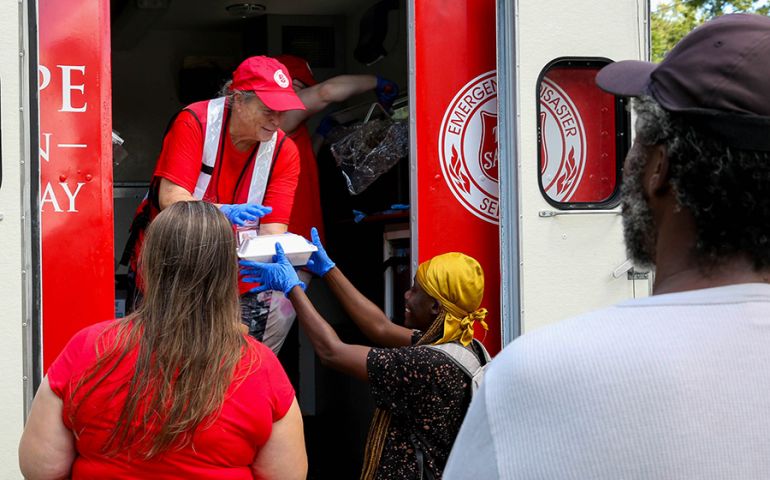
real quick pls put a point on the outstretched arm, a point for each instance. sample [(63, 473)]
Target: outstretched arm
[(238, 214), (365, 314), (320, 96), (332, 351)]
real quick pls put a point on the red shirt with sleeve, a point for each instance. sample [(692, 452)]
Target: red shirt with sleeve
[(308, 213), (259, 395), (180, 162), (181, 157)]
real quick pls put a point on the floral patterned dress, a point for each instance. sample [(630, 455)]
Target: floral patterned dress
[(427, 396)]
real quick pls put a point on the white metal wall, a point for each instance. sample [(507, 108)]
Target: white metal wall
[(11, 385), (567, 261)]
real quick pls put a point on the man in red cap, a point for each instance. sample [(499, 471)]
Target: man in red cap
[(231, 151)]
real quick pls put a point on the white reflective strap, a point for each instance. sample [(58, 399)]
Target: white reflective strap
[(214, 120), (262, 165)]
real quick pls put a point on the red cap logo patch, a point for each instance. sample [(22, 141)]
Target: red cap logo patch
[(281, 79)]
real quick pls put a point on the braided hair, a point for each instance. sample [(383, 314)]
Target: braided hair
[(378, 429)]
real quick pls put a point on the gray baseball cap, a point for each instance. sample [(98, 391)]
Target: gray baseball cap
[(717, 77)]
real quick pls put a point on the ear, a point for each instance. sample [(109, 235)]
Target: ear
[(657, 168), (435, 309)]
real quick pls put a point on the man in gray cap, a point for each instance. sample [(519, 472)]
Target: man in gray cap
[(676, 385)]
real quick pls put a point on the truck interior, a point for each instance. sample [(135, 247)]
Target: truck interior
[(169, 53)]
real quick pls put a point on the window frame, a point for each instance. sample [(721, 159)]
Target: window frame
[(622, 134)]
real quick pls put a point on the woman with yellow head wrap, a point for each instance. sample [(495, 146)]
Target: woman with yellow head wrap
[(420, 393), (456, 281)]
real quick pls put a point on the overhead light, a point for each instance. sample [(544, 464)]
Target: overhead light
[(246, 10)]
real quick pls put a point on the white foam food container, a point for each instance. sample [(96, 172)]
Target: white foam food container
[(262, 248)]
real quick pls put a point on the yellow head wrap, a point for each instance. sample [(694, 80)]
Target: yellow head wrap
[(457, 282)]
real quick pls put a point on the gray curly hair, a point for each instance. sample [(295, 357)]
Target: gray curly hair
[(228, 92), (725, 189)]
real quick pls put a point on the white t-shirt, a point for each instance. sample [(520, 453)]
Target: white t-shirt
[(666, 387)]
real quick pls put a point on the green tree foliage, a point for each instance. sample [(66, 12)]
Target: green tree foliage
[(673, 19)]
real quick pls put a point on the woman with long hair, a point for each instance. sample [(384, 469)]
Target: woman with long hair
[(176, 389), (420, 392)]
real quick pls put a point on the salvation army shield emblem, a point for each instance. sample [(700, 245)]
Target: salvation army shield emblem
[(488, 145), (467, 147)]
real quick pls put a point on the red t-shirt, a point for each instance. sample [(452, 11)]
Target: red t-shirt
[(307, 213), (260, 396), (180, 162)]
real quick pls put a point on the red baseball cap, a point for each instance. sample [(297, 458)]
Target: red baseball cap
[(298, 69), (270, 80)]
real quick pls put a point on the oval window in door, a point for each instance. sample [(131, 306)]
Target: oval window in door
[(582, 134)]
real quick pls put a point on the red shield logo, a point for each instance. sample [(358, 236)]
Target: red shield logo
[(488, 146)]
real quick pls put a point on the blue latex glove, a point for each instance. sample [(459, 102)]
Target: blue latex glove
[(319, 262), (387, 92), (279, 275), (242, 213), (358, 215)]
